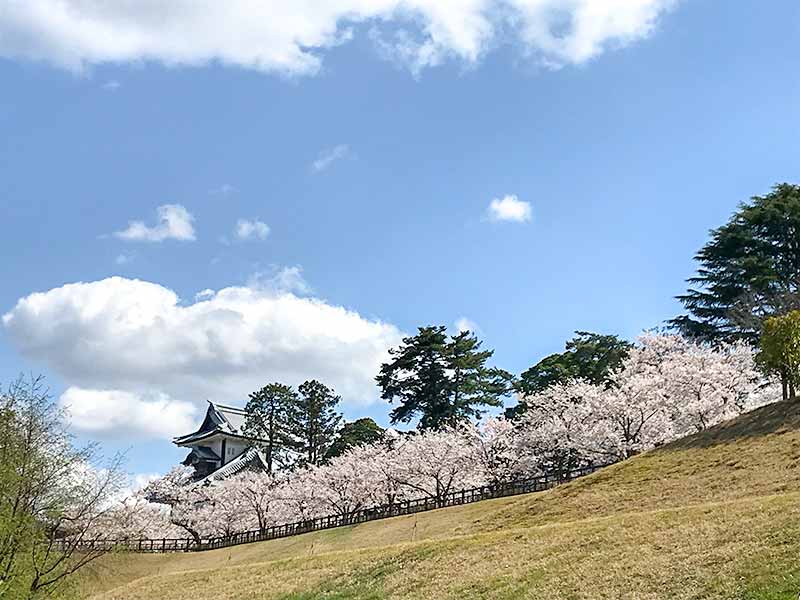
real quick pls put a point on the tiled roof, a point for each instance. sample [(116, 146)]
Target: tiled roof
[(205, 453), (234, 417), (219, 419), (250, 459)]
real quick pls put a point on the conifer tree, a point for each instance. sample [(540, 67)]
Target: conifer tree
[(590, 357), (356, 433), (749, 270), (417, 378), (268, 421), (441, 380), (313, 421), (473, 384)]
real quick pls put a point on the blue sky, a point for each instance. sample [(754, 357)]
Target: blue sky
[(626, 158)]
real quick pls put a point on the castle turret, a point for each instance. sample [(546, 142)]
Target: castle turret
[(219, 449)]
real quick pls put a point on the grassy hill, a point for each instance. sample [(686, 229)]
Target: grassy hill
[(716, 515)]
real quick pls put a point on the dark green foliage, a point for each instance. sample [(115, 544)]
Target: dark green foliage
[(313, 422), (442, 380), (473, 384), (268, 421), (749, 270), (417, 377), (589, 356), (359, 432)]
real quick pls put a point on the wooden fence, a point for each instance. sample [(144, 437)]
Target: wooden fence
[(406, 507)]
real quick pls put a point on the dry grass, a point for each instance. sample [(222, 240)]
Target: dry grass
[(712, 516)]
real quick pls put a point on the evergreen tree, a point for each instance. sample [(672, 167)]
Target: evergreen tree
[(268, 421), (313, 422), (443, 381), (473, 384), (592, 357), (749, 271), (357, 433), (417, 377)]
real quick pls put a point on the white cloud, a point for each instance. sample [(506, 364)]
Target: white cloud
[(123, 259), (509, 208), (574, 31), (291, 37), (130, 350), (285, 279), (204, 294), (116, 412), (111, 85), (175, 222), (328, 157), (251, 230), (464, 324)]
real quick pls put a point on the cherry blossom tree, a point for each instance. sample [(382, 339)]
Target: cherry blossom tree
[(704, 385), (257, 498), (300, 498), (381, 469), (555, 434), (434, 463), (223, 511), (667, 387), (627, 418), (497, 448), (347, 483), (170, 488), (177, 490), (134, 517)]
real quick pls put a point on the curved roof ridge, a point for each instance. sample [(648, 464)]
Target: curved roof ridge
[(227, 406), (219, 418), (252, 457)]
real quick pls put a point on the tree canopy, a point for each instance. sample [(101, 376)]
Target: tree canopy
[(748, 271), (667, 388), (780, 350), (443, 380), (268, 421), (591, 357), (356, 433), (313, 421), (588, 356), (51, 494)]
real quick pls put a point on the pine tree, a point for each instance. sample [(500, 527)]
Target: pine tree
[(590, 357), (417, 378), (749, 271), (313, 422), (442, 381), (268, 421), (473, 384), (356, 433)]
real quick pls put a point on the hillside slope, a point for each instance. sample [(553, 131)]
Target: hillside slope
[(715, 515)]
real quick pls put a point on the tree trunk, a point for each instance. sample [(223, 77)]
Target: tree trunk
[(785, 384)]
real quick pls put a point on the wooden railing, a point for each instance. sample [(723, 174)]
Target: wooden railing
[(406, 507)]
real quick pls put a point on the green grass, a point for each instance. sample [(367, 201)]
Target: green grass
[(716, 515)]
